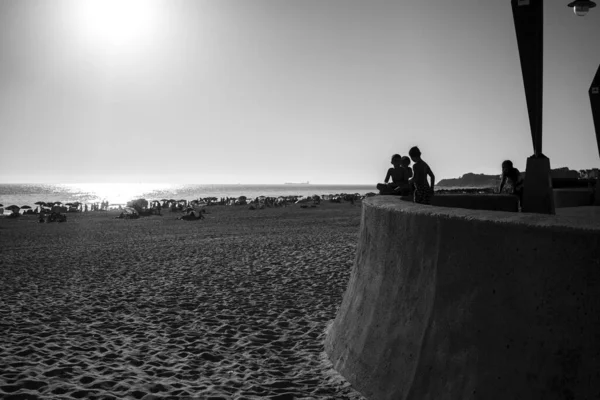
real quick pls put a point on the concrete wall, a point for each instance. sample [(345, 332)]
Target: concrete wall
[(568, 197), (576, 197), (494, 202), (463, 304)]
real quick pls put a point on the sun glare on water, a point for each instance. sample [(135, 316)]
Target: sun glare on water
[(117, 193)]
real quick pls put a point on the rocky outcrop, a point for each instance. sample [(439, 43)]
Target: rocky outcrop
[(471, 180), (564, 173)]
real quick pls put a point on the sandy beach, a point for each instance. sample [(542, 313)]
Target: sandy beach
[(234, 306)]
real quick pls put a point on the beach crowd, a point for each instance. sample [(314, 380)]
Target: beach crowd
[(51, 211)]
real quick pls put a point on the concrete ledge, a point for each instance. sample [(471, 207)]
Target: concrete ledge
[(492, 202), (564, 183), (464, 304), (573, 197)]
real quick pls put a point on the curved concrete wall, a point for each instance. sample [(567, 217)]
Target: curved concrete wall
[(467, 304), (492, 202), (573, 197)]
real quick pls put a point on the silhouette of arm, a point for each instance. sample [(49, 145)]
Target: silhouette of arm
[(430, 173), (388, 175), (502, 183)]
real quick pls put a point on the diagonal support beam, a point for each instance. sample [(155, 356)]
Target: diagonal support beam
[(595, 102), (528, 16)]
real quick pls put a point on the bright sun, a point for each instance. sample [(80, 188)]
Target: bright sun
[(115, 24)]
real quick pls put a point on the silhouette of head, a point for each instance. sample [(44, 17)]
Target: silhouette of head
[(414, 152), (507, 165), (396, 157), (405, 161)]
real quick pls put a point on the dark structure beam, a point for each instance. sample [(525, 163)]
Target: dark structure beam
[(595, 102), (528, 16)]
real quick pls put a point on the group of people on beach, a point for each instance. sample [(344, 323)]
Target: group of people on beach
[(408, 181), (52, 217)]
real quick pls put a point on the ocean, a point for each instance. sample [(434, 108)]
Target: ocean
[(121, 193)]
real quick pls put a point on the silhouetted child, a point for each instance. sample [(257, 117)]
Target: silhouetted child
[(399, 175), (423, 190), (406, 188), (511, 177)]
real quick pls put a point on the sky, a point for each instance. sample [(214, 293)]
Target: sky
[(273, 91)]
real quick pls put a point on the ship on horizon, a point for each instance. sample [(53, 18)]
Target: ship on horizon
[(297, 183)]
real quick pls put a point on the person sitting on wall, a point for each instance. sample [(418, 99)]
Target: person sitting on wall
[(511, 182), (423, 190), (400, 174), (405, 188)]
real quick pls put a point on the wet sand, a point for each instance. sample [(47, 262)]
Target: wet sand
[(234, 306)]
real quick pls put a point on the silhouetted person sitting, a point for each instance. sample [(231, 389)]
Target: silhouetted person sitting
[(423, 191), (511, 182), (400, 174), (405, 188)]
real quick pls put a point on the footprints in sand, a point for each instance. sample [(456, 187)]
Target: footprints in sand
[(172, 314)]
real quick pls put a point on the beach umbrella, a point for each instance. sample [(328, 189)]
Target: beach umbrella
[(13, 207), (25, 207), (1, 205), (39, 203), (130, 210)]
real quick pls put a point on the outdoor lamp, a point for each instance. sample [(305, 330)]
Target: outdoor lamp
[(581, 7)]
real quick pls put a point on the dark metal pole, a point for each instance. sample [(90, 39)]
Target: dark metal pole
[(528, 17), (595, 102)]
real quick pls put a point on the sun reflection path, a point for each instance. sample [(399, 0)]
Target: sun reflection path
[(116, 193)]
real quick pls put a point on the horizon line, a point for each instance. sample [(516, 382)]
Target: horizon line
[(185, 183)]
